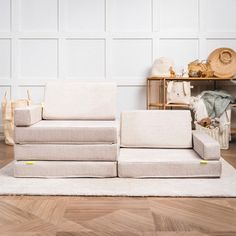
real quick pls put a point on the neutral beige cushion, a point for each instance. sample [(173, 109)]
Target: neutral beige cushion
[(75, 131), (207, 147), (93, 152), (144, 163), (162, 129), (65, 169), (28, 115), (77, 100)]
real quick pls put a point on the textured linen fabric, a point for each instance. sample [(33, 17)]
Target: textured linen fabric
[(76, 100), (207, 147), (161, 129), (74, 131), (27, 116), (65, 169), (148, 163), (93, 152)]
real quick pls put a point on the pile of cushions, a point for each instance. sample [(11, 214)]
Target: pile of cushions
[(76, 134)]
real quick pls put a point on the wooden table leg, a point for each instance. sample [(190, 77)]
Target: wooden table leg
[(147, 94)]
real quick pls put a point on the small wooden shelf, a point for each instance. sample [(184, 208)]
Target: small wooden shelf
[(177, 105), (163, 85), (190, 78), (168, 105), (156, 105)]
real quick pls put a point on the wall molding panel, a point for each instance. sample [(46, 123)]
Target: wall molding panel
[(105, 40)]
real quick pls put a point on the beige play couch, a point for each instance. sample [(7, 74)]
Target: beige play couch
[(161, 143), (76, 135)]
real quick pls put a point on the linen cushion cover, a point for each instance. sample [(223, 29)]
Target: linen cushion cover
[(27, 116), (77, 100), (207, 147), (65, 169), (147, 163), (53, 152), (159, 129), (70, 131)]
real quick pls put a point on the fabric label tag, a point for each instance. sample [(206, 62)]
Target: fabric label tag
[(203, 162), (29, 162)]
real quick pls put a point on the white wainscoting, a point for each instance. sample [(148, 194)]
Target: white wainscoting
[(106, 40)]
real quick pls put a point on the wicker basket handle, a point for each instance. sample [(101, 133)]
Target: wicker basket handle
[(4, 100)]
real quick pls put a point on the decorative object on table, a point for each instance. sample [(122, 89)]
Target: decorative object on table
[(200, 69), (184, 73), (162, 67), (8, 115), (223, 62), (172, 72), (178, 92)]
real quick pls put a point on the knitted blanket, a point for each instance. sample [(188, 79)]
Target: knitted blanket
[(216, 102)]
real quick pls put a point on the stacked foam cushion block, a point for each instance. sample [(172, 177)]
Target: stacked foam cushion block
[(74, 135)]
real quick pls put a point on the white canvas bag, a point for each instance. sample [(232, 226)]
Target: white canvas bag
[(178, 92)]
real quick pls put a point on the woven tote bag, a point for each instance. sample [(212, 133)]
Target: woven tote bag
[(8, 108)]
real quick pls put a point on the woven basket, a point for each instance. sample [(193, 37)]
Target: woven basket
[(200, 69), (222, 138), (8, 108)]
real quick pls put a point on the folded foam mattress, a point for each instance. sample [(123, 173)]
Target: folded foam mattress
[(66, 152), (64, 169), (171, 163)]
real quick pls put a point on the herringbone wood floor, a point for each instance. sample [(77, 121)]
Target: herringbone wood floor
[(118, 216)]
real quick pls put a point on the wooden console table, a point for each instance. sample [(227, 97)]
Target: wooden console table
[(161, 103)]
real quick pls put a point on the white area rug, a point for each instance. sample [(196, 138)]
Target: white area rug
[(222, 187)]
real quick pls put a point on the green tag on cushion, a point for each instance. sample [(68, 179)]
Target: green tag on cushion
[(203, 162), (29, 162)]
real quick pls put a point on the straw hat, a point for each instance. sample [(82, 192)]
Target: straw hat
[(223, 62), (161, 67)]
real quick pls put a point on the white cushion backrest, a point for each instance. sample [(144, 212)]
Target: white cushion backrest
[(77, 100), (160, 129)]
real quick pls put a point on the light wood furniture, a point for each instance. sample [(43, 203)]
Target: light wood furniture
[(163, 85), (161, 92)]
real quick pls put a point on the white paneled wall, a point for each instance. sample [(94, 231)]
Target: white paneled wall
[(105, 40)]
